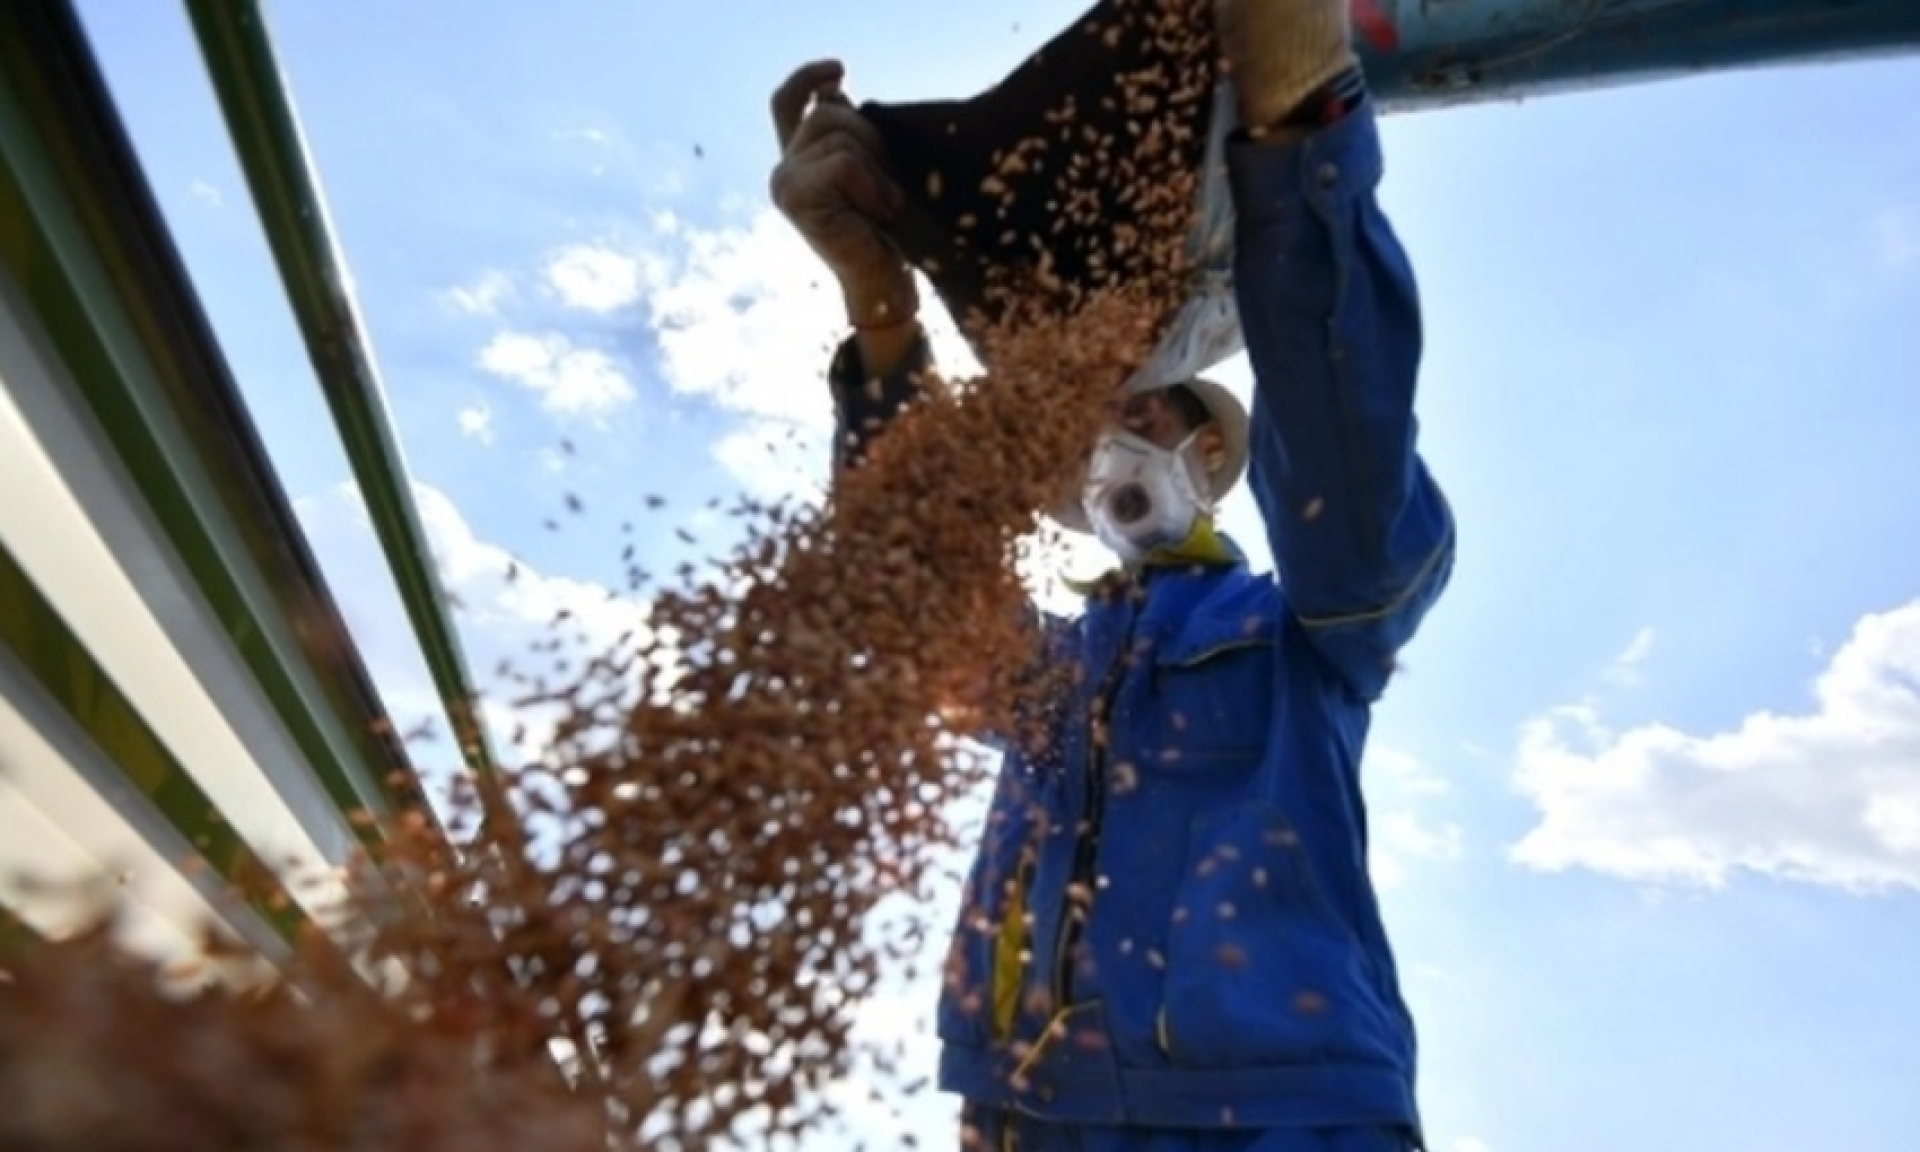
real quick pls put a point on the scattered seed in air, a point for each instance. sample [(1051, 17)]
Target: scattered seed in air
[(665, 907)]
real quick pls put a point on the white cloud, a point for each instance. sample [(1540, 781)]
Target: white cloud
[(1827, 796), (1624, 668), (744, 317), (569, 381), (748, 318), (476, 422), (772, 460), (1401, 840), (1896, 236), (206, 194), (503, 607), (594, 278), (500, 593), (1400, 787), (1403, 774), (586, 135), (1468, 1144), (483, 296)]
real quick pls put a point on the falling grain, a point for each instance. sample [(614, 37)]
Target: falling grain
[(660, 931)]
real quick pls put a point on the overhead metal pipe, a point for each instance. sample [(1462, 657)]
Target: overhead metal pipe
[(1423, 54)]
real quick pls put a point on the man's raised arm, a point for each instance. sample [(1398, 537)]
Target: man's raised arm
[(832, 185), (1361, 534), (865, 402)]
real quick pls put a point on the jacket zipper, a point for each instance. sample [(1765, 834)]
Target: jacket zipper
[(1087, 847)]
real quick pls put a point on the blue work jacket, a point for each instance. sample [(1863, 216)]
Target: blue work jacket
[(1170, 922)]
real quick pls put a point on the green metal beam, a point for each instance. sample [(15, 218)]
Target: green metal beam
[(32, 630), (84, 240), (286, 192), (15, 932)]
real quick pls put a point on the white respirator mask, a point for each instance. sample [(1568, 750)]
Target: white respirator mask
[(1139, 496)]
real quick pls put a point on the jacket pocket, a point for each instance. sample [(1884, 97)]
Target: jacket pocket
[(1259, 971), (1213, 696)]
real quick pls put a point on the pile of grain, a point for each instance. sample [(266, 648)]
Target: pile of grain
[(675, 899)]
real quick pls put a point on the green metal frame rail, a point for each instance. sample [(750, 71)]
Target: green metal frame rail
[(286, 192), (15, 932), (85, 241), (145, 783)]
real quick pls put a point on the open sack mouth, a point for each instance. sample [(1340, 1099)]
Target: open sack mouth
[(983, 214)]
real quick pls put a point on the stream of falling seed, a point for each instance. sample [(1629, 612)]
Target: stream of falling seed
[(660, 934)]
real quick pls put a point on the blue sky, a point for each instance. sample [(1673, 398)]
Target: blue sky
[(1648, 796)]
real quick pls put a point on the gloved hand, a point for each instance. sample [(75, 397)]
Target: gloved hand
[(832, 185), (1280, 51)]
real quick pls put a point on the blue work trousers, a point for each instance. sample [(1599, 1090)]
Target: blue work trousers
[(986, 1129)]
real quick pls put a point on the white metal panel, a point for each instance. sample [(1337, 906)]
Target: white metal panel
[(57, 833), (70, 516)]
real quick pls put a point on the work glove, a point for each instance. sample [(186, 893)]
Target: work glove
[(1280, 52), (832, 184)]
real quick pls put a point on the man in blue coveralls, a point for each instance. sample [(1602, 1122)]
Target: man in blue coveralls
[(1171, 941)]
